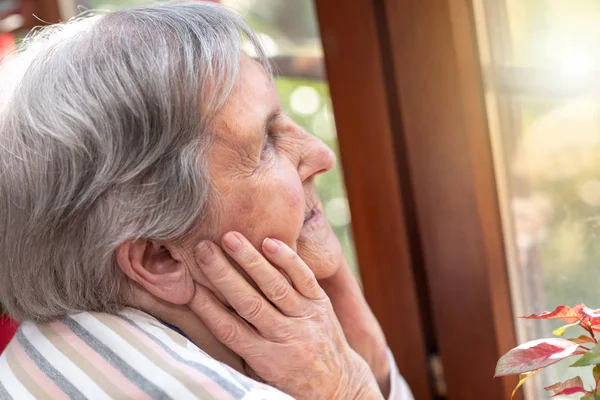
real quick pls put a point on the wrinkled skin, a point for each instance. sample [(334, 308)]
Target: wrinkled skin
[(289, 335), (361, 328)]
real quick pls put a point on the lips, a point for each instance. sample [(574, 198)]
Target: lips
[(309, 215), (312, 210), (311, 207)]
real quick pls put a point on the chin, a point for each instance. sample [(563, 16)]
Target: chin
[(322, 252)]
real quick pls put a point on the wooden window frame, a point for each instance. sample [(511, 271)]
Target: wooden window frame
[(408, 97)]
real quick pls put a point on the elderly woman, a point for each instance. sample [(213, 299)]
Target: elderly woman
[(160, 232)]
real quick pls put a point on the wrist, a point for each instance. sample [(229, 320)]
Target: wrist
[(360, 383), (384, 380), (380, 364), (373, 349), (369, 392)]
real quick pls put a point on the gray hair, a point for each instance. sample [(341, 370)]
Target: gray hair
[(104, 129)]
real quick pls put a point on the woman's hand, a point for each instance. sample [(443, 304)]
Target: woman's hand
[(361, 328), (289, 336)]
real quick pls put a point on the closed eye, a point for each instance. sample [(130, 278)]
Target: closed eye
[(268, 142), (270, 137)]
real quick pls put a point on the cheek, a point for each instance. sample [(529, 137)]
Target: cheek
[(271, 206)]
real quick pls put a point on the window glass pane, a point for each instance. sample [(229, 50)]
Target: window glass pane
[(285, 27), (288, 30), (560, 33), (546, 140)]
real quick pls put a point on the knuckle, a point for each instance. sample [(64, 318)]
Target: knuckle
[(325, 301), (253, 262), (311, 284), (221, 274), (250, 307), (278, 290), (287, 331), (227, 333)]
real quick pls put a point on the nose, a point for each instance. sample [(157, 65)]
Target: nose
[(317, 159)]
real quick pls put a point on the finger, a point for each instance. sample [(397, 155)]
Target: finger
[(302, 277), (227, 327), (244, 299), (199, 277), (269, 280)]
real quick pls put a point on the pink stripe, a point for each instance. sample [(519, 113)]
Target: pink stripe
[(211, 386), (101, 365), (54, 392)]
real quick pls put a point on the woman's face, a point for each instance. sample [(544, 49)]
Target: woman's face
[(262, 167)]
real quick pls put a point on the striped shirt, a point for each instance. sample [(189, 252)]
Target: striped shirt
[(130, 355)]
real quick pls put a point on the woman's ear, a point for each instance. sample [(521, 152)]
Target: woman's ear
[(157, 269)]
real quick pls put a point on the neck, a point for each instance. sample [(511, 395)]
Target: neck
[(197, 332), (184, 319)]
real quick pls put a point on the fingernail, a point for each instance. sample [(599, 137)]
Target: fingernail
[(205, 252), (270, 245), (232, 242)]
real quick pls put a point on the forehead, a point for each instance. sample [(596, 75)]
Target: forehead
[(252, 99)]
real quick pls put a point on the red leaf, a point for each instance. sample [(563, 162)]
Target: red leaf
[(566, 313), (570, 391), (570, 386), (533, 355), (590, 313), (582, 339), (591, 316)]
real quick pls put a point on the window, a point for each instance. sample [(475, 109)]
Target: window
[(541, 60)]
